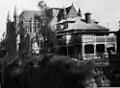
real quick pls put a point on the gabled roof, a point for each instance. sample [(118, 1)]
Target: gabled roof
[(68, 9), (26, 15), (61, 12), (72, 12)]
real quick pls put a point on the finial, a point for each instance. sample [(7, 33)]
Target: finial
[(72, 3), (79, 13)]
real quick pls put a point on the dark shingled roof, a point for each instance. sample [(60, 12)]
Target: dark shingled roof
[(61, 12), (26, 15)]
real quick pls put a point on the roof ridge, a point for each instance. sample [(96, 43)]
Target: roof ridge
[(27, 14)]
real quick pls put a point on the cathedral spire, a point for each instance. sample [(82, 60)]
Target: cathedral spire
[(8, 17), (15, 17), (15, 11)]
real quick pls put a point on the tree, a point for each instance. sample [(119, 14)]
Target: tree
[(42, 5), (45, 19)]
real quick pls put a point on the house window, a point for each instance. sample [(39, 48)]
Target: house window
[(58, 26), (62, 26), (111, 47), (100, 48), (89, 49), (65, 25)]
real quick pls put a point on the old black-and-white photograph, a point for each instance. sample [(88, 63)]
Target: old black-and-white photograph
[(59, 43)]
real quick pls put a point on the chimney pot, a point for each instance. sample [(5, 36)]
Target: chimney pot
[(87, 17)]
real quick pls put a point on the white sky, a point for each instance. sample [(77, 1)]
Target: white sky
[(105, 11)]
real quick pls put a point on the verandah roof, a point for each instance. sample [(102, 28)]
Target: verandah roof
[(82, 26)]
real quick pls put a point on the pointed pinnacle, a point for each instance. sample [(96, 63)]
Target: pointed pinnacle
[(15, 11), (8, 16)]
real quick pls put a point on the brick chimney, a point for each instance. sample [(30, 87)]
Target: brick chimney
[(87, 17)]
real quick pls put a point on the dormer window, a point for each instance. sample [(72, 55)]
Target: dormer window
[(65, 25)]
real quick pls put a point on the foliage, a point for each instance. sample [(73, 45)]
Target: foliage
[(4, 45), (42, 5), (45, 19)]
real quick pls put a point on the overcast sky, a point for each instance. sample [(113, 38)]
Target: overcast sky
[(107, 12)]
